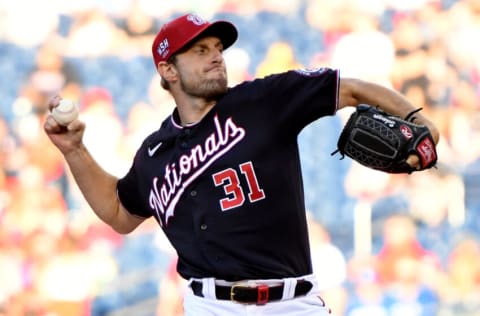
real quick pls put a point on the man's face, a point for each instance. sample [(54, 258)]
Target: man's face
[(201, 69)]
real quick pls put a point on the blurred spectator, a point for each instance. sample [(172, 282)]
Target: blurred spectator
[(33, 147), (373, 55), (11, 272), (463, 126), (408, 273), (329, 266), (7, 146), (471, 176), (138, 23), (366, 297), (437, 212), (70, 265), (171, 292), (94, 34), (464, 25), (33, 205), (280, 57), (142, 120), (52, 72), (410, 60), (28, 23), (329, 17), (392, 200), (408, 295), (355, 187), (160, 99), (140, 29), (39, 246), (400, 242), (461, 291), (285, 8), (238, 63), (105, 128)]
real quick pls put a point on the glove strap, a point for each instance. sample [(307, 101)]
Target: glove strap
[(335, 152), (410, 117)]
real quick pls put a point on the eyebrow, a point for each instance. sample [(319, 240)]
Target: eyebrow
[(200, 43)]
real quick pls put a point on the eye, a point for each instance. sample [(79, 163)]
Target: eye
[(201, 50)]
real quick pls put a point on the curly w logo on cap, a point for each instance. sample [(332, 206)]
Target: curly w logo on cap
[(195, 19)]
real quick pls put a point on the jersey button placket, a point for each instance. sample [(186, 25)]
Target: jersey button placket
[(183, 143), (203, 226)]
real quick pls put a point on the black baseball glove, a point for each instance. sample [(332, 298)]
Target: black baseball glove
[(383, 142)]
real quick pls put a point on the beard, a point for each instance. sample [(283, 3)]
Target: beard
[(208, 89)]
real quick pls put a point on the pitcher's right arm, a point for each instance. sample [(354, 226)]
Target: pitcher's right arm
[(98, 187)]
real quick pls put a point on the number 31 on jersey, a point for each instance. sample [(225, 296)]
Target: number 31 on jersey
[(229, 179)]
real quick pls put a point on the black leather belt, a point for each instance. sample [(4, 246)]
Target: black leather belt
[(258, 294)]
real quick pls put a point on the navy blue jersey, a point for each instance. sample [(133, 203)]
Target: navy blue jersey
[(227, 191)]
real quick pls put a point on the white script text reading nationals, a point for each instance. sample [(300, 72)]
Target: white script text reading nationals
[(178, 175)]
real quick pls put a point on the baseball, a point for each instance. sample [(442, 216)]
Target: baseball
[(65, 112)]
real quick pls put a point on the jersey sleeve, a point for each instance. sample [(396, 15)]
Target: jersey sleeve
[(299, 97), (128, 193)]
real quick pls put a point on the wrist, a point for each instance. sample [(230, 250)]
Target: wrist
[(75, 152)]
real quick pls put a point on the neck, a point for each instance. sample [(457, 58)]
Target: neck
[(193, 111)]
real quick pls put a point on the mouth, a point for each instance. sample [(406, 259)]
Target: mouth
[(216, 69)]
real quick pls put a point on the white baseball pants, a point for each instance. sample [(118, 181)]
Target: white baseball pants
[(308, 305)]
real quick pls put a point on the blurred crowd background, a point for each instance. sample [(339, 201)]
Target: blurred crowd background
[(381, 244)]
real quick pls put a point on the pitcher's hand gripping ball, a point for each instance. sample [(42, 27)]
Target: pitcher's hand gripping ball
[(65, 112), (383, 142)]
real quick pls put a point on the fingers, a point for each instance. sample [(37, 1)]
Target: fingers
[(54, 101), (414, 161), (51, 126), (76, 126)]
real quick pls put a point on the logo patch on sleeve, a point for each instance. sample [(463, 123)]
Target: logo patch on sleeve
[(311, 72)]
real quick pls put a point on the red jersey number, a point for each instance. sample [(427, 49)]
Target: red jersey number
[(230, 181)]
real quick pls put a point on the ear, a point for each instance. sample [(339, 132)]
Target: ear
[(167, 71)]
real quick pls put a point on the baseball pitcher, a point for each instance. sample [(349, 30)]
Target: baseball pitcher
[(222, 174)]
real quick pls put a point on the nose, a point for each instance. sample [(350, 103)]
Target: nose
[(217, 55)]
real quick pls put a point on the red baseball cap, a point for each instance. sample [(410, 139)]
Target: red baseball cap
[(179, 32)]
